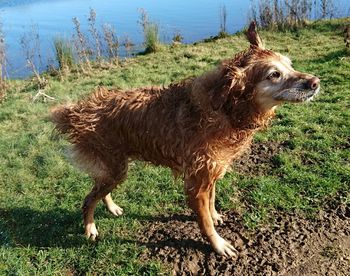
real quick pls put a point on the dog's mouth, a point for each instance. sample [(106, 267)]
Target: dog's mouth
[(296, 95)]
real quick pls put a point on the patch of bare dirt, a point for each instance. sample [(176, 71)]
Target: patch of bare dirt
[(291, 245), (259, 158)]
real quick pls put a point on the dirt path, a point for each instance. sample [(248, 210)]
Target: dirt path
[(291, 245)]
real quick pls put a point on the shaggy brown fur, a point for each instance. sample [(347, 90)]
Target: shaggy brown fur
[(196, 127)]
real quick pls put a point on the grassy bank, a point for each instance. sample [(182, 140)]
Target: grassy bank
[(41, 192)]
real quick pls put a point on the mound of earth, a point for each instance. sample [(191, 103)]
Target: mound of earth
[(259, 158), (290, 245)]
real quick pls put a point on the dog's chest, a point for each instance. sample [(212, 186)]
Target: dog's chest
[(231, 149)]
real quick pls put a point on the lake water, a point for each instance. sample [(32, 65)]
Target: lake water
[(193, 19)]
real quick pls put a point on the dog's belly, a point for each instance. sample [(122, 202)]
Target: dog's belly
[(159, 156)]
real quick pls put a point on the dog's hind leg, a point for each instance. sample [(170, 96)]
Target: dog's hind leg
[(217, 218), (113, 208), (198, 200), (104, 183)]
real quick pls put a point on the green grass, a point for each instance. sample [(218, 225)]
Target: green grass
[(41, 192), (151, 34), (64, 54)]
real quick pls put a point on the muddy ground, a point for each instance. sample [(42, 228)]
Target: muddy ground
[(290, 245)]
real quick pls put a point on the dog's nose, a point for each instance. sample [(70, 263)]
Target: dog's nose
[(314, 83)]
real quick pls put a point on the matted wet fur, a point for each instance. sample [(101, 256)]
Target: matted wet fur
[(196, 127)]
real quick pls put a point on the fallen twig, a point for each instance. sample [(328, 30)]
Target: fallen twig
[(42, 94)]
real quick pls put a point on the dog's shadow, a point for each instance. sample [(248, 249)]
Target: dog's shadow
[(52, 228), (61, 228), (177, 240)]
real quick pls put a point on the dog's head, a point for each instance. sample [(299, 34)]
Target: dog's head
[(276, 80), (265, 76)]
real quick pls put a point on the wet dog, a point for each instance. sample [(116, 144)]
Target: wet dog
[(196, 127)]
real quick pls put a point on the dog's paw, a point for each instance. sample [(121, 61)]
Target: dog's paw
[(217, 218), (91, 231), (115, 209), (224, 248)]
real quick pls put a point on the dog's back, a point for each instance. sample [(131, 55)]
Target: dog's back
[(144, 124)]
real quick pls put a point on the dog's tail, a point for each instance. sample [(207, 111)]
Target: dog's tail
[(81, 119), (61, 116)]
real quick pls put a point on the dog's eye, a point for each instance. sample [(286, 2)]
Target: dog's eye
[(274, 75)]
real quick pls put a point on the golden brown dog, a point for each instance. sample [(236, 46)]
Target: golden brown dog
[(196, 127)]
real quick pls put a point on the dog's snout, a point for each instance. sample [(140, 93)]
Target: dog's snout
[(313, 83)]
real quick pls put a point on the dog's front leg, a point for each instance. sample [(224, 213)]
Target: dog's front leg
[(199, 201), (217, 218)]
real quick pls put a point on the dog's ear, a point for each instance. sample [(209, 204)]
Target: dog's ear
[(253, 36), (219, 95), (228, 83)]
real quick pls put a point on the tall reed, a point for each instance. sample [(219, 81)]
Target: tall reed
[(347, 36), (327, 9), (64, 54), (150, 32), (95, 34), (112, 41), (281, 14), (177, 37), (128, 45), (223, 22), (30, 43), (81, 46), (3, 73)]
